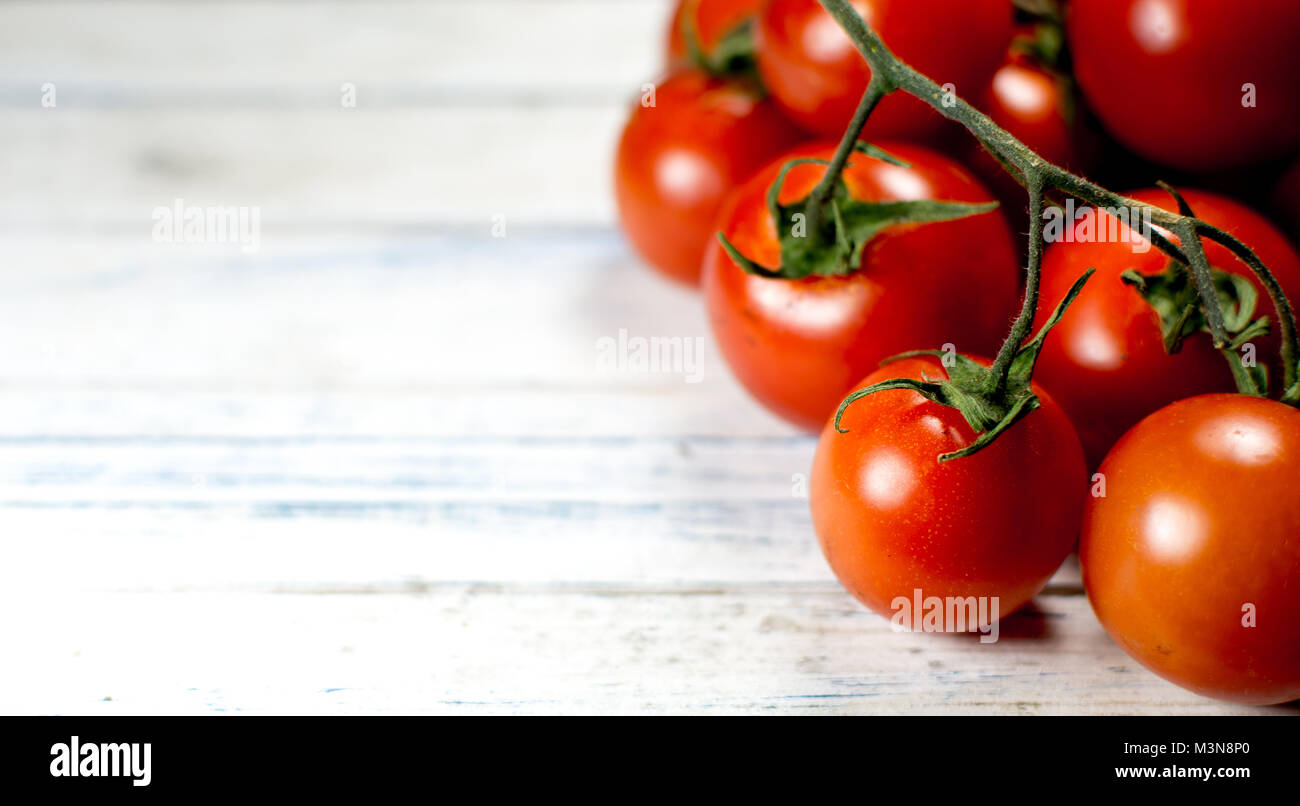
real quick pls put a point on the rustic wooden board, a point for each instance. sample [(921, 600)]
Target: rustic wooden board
[(559, 649), (376, 466)]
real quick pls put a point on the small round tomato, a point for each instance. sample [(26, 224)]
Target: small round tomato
[(1191, 559), (1033, 105), (817, 76), (713, 19), (892, 519), (800, 345), (1037, 107), (1198, 86), (681, 151), (1106, 361)]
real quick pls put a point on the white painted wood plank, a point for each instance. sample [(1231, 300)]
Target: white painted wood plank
[(237, 517), (202, 52), (376, 414), (321, 315), (68, 169), (466, 109), (353, 515), (467, 650)]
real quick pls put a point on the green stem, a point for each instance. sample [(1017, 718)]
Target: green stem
[(1029, 307), (1037, 172), (876, 89), (1285, 313), (1199, 266)]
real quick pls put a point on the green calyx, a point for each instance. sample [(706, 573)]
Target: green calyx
[(1177, 304), (1045, 45), (846, 225), (733, 55), (989, 404)]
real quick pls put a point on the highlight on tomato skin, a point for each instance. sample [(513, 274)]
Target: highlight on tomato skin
[(1106, 361), (684, 147), (798, 346), (891, 518), (817, 76), (1191, 558)]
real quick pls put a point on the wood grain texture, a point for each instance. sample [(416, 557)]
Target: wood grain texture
[(548, 649), (378, 466), (212, 52), (465, 109)]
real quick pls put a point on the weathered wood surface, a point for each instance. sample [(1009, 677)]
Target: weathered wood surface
[(376, 466)]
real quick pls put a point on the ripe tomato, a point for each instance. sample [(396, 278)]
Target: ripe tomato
[(713, 20), (1197, 531), (1106, 362), (800, 345), (1033, 106), (816, 75), (1169, 77), (678, 158), (891, 518), (1037, 107)]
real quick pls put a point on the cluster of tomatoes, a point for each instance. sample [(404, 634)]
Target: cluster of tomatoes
[(1179, 494)]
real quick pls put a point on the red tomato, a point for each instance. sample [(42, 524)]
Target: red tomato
[(816, 75), (1034, 106), (713, 20), (1199, 529), (800, 345), (1169, 77), (1106, 361), (678, 159), (892, 519)]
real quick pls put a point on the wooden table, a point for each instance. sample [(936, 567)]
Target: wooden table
[(376, 465)]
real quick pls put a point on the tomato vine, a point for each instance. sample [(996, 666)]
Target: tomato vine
[(994, 397)]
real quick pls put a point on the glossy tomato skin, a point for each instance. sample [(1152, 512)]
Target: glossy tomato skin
[(800, 345), (713, 19), (1167, 77), (817, 77), (1199, 520), (1105, 361), (678, 159), (1036, 107), (892, 519)]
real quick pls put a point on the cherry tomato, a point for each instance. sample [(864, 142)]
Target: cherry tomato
[(800, 345), (816, 75), (1033, 106), (1173, 79), (713, 20), (892, 519), (679, 157), (1191, 559), (1036, 107), (1106, 362)]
